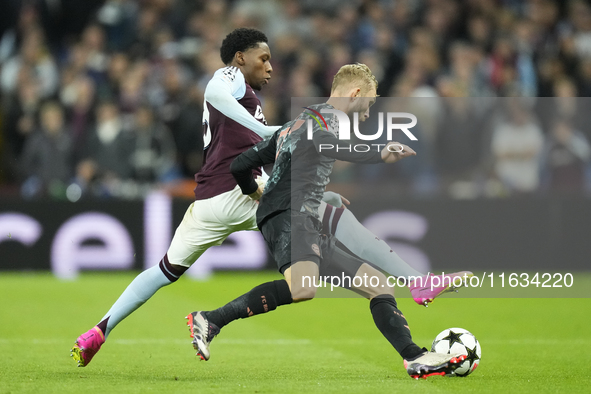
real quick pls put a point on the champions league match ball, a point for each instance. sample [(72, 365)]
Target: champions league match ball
[(458, 340)]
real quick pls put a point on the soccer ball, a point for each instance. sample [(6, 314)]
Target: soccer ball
[(458, 340)]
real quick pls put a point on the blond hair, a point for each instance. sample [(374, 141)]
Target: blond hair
[(355, 73)]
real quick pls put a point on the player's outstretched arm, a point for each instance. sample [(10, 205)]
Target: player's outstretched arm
[(395, 151), (323, 139), (219, 93), (328, 145)]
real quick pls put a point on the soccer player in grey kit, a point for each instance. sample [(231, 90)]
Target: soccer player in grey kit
[(289, 220)]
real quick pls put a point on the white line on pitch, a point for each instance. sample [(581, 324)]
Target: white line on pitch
[(289, 342)]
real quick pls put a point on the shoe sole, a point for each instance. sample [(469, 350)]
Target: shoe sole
[(427, 301), (76, 354), (83, 356), (190, 323), (455, 288), (450, 289), (425, 371)]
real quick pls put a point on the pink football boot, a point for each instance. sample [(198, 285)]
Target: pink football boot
[(87, 345), (426, 288)]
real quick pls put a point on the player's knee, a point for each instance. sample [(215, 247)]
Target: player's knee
[(303, 293), (378, 284), (384, 288), (384, 291), (374, 292)]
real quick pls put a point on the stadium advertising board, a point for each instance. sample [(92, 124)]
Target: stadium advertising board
[(435, 235)]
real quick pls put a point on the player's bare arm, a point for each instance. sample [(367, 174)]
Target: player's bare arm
[(396, 151)]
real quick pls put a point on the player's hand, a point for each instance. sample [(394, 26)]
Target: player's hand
[(345, 202), (396, 151), (258, 193)]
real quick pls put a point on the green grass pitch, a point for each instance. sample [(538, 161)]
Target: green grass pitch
[(322, 346)]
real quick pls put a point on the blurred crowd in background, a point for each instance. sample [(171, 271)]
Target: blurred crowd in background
[(103, 98)]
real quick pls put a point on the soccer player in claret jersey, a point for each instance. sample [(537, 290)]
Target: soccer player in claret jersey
[(233, 122), (290, 223)]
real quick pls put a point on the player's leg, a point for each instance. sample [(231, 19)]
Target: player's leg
[(359, 240), (200, 229), (205, 325), (372, 284), (136, 294), (346, 228), (142, 288), (277, 231), (359, 276), (302, 250), (181, 254), (265, 297)]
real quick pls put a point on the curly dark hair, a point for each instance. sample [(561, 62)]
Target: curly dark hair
[(240, 40)]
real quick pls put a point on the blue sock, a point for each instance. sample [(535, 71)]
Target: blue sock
[(143, 287)]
